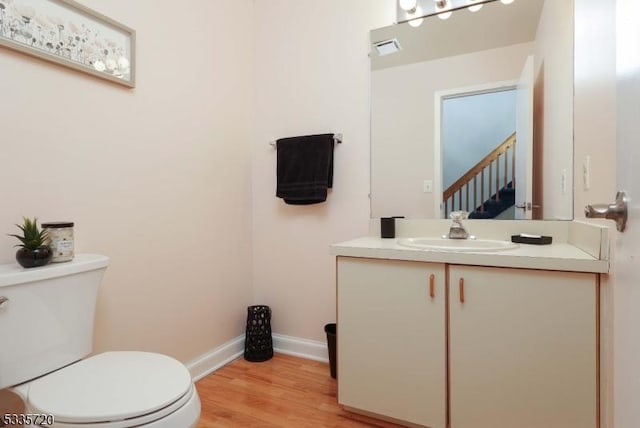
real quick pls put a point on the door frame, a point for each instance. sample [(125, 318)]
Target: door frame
[(439, 97)]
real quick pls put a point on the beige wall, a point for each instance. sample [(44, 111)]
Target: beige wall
[(311, 76), (157, 178), (554, 108), (403, 110)]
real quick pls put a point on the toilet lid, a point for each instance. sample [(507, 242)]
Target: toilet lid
[(110, 387)]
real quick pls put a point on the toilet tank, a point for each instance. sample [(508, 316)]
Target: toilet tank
[(46, 320)]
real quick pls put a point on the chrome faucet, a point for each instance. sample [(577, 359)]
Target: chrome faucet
[(457, 230)]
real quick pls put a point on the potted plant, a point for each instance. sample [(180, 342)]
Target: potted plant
[(34, 249)]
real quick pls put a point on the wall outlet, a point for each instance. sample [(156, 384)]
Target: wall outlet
[(427, 186)]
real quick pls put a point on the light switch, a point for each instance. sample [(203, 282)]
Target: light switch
[(428, 186)]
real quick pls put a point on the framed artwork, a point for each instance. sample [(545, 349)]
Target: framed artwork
[(72, 35)]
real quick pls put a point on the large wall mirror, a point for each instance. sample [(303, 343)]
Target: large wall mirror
[(475, 113)]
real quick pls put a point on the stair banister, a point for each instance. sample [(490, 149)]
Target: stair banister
[(478, 170)]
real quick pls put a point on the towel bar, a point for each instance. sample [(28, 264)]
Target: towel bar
[(336, 137)]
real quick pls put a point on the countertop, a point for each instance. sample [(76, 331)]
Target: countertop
[(560, 256)]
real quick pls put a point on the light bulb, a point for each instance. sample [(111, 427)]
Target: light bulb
[(474, 7), (442, 5), (408, 5), (417, 14), (506, 1), (416, 22)]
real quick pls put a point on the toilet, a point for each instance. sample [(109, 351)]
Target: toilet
[(46, 325)]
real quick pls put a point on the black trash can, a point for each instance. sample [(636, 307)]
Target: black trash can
[(331, 331), (258, 344)]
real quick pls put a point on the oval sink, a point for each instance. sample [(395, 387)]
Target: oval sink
[(460, 245)]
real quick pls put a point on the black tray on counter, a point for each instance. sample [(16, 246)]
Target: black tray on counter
[(543, 240)]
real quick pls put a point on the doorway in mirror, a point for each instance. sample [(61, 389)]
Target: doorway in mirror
[(478, 143)]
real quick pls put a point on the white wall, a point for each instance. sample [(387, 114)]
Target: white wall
[(157, 178), (403, 110), (312, 71), (553, 108)]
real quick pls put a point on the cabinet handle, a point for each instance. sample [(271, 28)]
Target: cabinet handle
[(461, 286), (432, 286)]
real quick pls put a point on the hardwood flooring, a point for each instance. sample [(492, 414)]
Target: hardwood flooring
[(282, 392)]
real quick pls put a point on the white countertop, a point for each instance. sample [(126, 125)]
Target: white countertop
[(559, 256)]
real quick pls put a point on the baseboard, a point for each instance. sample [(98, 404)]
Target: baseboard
[(216, 358), (298, 347), (227, 352)]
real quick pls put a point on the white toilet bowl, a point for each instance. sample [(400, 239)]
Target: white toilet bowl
[(46, 324), (116, 390)]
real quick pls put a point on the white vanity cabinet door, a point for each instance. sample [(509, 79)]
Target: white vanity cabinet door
[(391, 339), (522, 348)]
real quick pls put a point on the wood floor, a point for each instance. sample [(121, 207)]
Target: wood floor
[(282, 392)]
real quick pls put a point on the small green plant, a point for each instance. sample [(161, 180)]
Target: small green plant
[(32, 238)]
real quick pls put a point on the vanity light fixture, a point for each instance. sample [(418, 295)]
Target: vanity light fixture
[(474, 6), (442, 6), (408, 6), (413, 11)]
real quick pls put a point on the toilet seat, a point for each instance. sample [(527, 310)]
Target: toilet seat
[(116, 390)]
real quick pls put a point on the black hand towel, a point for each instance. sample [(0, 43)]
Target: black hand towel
[(305, 168)]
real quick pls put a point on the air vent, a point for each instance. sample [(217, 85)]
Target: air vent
[(387, 47)]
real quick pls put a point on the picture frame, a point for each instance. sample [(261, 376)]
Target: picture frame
[(72, 35)]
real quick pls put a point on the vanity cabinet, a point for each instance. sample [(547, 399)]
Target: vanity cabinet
[(522, 348), (391, 339), (481, 347)]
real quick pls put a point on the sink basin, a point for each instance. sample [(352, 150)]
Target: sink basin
[(458, 245)]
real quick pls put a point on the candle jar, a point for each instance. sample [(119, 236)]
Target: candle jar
[(61, 240)]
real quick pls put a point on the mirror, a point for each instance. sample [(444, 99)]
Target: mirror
[(446, 105)]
